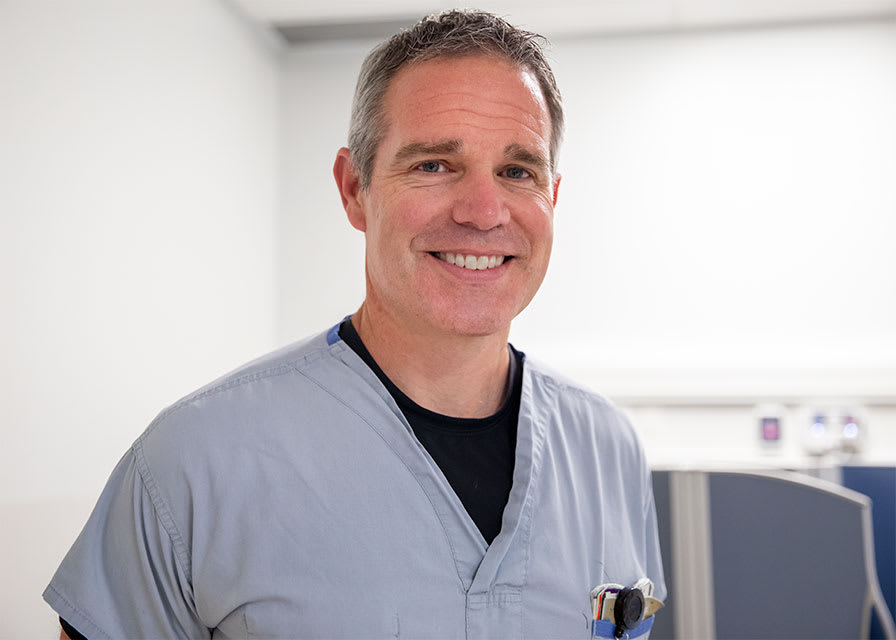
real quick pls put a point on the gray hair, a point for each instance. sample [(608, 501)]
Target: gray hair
[(453, 33)]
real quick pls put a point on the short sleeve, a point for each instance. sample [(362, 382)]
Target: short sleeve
[(125, 575)]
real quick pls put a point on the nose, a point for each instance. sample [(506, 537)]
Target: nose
[(480, 202)]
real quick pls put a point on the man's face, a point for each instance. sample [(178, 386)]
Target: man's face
[(463, 170)]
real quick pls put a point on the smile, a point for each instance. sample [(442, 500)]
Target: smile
[(472, 262)]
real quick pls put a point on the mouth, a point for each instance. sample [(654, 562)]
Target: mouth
[(471, 261)]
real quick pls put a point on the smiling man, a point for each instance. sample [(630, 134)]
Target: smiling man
[(462, 170), (408, 472)]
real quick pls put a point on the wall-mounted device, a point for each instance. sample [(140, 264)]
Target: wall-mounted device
[(770, 429), (819, 438), (851, 436), (835, 428), (770, 421)]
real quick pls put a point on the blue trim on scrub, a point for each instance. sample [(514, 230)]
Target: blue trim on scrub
[(606, 629), (333, 335)]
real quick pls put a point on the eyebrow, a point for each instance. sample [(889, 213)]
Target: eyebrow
[(520, 153), (515, 152), (415, 149)]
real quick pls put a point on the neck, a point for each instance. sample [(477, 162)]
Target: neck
[(459, 376)]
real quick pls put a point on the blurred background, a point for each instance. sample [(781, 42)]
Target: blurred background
[(724, 266)]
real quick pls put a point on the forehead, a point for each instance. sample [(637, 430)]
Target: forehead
[(458, 97)]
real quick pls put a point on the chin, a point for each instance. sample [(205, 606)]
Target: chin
[(477, 325)]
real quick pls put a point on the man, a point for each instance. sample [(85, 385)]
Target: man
[(406, 473)]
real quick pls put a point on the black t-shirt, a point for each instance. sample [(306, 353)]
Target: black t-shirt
[(476, 455)]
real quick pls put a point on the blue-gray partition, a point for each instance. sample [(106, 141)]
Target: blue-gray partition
[(879, 484), (787, 556), (788, 559), (664, 626)]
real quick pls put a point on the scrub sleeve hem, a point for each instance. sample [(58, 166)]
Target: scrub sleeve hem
[(73, 615)]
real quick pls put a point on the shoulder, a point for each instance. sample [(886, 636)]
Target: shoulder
[(282, 361), (249, 378), (570, 393), (584, 411), (259, 396), (256, 422)]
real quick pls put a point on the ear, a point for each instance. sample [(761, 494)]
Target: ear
[(349, 185), (556, 188)]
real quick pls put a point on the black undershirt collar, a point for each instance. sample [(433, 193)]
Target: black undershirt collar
[(350, 336)]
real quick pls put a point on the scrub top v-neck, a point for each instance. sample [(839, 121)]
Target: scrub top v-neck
[(476, 455)]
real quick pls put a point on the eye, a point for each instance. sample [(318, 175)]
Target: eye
[(431, 166), (517, 173)]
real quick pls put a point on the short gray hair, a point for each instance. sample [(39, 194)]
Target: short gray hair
[(453, 33)]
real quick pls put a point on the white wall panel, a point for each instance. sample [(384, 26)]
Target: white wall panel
[(727, 201), (321, 259), (138, 194)]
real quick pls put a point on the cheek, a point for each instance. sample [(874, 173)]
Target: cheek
[(391, 234), (406, 214), (538, 223), (420, 206)]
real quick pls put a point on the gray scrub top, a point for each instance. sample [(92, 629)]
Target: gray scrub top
[(291, 499)]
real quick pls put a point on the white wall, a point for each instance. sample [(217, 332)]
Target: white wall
[(724, 232), (728, 201), (321, 268), (725, 237), (138, 190)]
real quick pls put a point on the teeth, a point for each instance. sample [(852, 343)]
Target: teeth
[(474, 263)]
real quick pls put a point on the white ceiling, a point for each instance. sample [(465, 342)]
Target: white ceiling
[(358, 18)]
